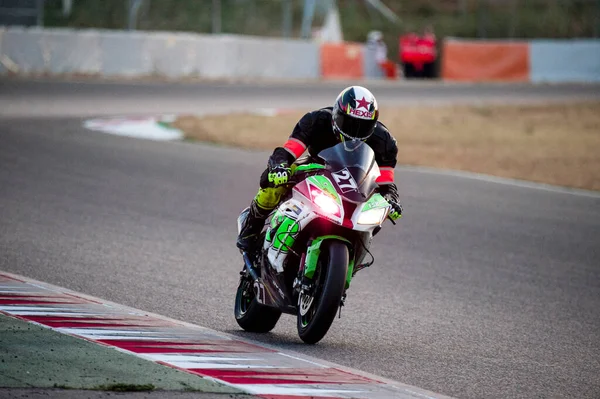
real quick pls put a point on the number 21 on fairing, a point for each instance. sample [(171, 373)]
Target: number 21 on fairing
[(344, 180)]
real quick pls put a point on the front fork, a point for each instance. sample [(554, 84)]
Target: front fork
[(302, 284)]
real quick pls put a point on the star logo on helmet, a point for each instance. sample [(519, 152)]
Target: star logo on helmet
[(363, 103)]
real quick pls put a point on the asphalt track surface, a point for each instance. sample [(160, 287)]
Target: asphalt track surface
[(482, 290), (28, 99)]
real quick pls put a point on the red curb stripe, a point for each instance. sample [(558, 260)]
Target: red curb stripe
[(43, 318), (95, 325), (5, 278), (9, 295), (185, 347), (285, 376), (32, 302), (96, 322)]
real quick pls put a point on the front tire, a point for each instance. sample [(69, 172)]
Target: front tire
[(317, 311), (251, 315)]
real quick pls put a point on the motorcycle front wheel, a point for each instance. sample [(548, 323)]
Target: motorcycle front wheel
[(251, 315), (317, 309)]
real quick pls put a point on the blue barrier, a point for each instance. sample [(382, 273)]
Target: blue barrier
[(565, 61)]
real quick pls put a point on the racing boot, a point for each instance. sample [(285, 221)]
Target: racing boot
[(248, 238)]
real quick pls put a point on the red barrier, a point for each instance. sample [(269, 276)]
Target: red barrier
[(341, 61), (485, 60)]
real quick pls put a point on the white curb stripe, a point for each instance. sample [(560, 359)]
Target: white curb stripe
[(147, 127)]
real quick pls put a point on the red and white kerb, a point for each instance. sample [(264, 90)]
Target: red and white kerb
[(253, 369)]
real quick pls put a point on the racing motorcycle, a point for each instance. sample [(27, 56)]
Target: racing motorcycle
[(314, 243)]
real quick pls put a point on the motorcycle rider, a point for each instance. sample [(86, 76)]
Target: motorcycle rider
[(354, 116)]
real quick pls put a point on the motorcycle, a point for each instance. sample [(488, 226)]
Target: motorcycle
[(314, 243)]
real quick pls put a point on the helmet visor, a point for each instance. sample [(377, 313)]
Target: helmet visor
[(353, 128)]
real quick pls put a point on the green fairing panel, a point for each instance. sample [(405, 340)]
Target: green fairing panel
[(376, 201), (313, 253), (285, 236), (275, 220), (309, 167)]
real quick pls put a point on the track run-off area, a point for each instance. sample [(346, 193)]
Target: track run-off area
[(485, 288)]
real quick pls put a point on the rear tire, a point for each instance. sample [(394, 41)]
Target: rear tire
[(330, 281), (251, 315)]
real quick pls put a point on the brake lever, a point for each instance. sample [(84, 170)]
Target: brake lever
[(391, 220)]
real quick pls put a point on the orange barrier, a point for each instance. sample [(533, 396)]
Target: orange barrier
[(389, 68), (341, 61), (485, 60)]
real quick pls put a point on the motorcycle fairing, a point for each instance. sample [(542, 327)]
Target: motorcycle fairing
[(294, 214), (283, 230), (344, 167), (287, 222), (376, 201), (270, 291), (353, 169), (308, 167), (375, 204)]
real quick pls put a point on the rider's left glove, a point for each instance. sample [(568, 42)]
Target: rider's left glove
[(396, 212), (279, 173)]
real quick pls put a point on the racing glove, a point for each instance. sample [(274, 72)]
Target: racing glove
[(279, 173), (396, 212), (390, 193)]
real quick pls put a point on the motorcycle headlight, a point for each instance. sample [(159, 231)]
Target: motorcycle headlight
[(372, 216), (325, 202)]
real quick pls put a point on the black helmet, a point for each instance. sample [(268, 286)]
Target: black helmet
[(355, 113)]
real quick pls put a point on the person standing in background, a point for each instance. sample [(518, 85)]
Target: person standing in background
[(418, 54), (427, 48), (409, 55), (379, 48)]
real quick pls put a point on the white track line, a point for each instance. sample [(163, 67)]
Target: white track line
[(500, 180)]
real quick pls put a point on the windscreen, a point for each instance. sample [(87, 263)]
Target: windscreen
[(353, 168)]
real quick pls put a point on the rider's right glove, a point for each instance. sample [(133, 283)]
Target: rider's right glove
[(279, 173)]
